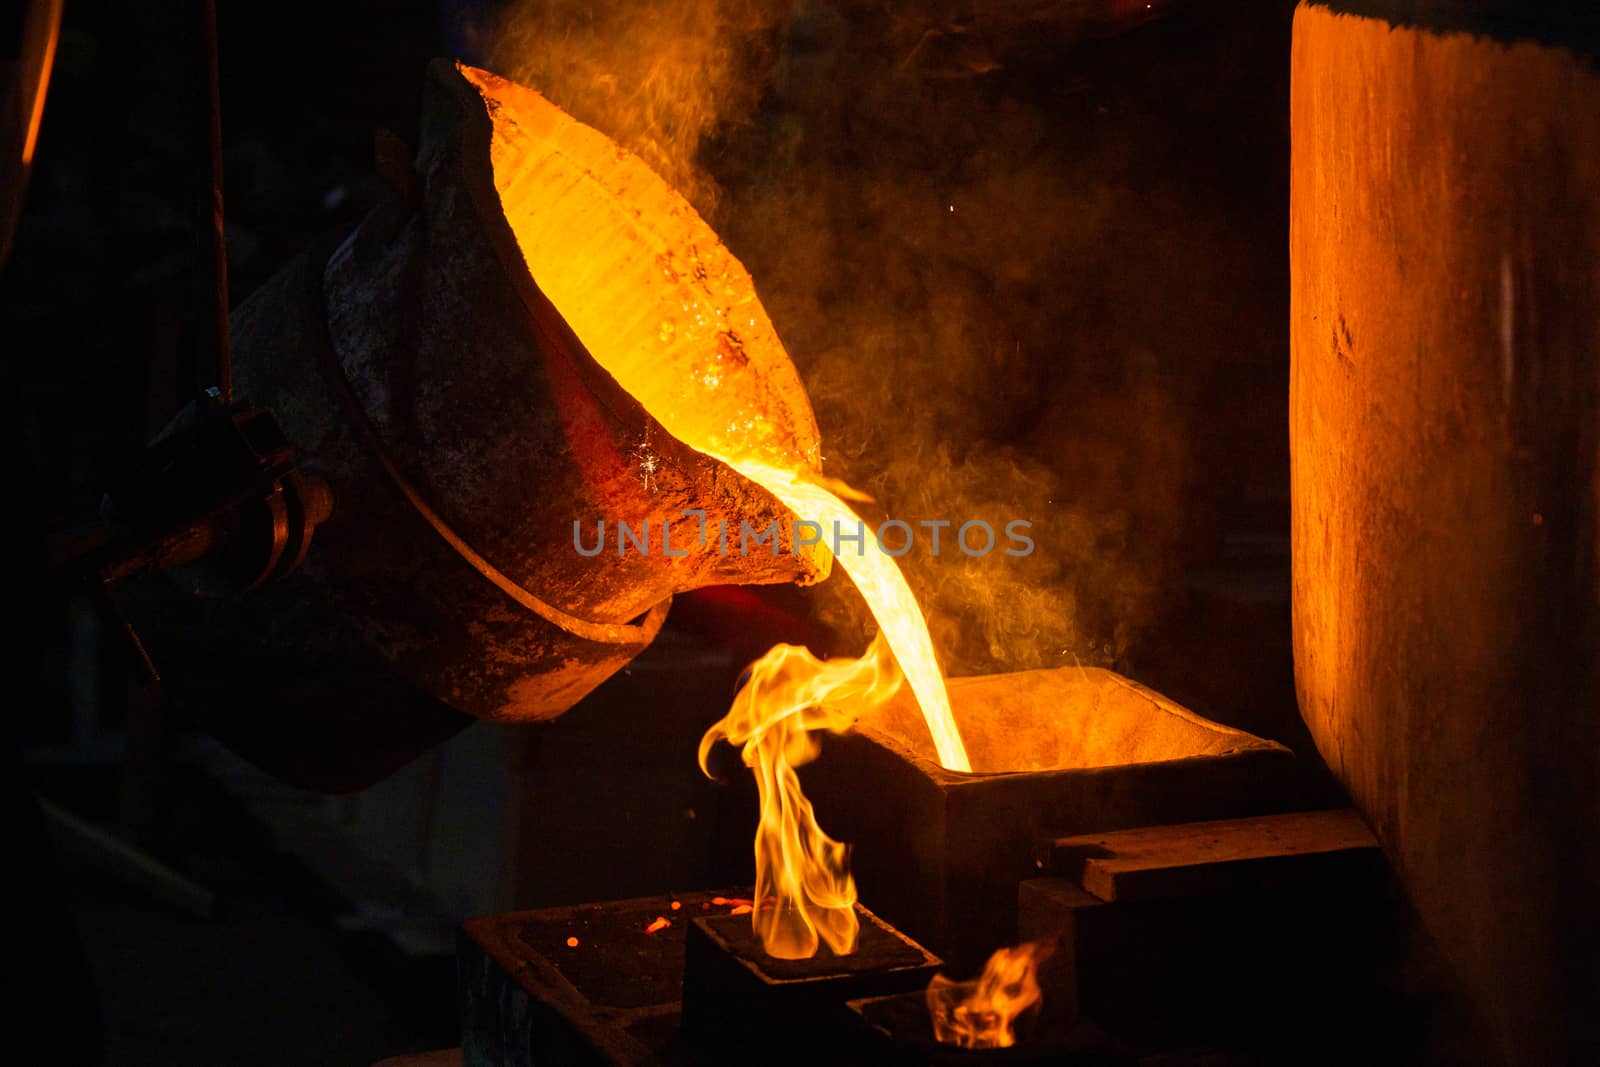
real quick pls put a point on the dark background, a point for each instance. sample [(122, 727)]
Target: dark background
[(1134, 357)]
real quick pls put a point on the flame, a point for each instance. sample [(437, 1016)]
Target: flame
[(802, 871), (982, 1013), (804, 893)]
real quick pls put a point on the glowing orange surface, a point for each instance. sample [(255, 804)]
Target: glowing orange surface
[(672, 315)]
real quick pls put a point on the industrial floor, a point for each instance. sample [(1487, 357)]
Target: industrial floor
[(272, 978)]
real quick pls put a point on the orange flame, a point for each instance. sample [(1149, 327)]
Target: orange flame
[(803, 871), (804, 890), (982, 1013)]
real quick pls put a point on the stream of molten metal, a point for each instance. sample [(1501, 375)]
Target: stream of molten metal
[(888, 597), (804, 893)]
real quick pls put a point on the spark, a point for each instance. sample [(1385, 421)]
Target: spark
[(649, 462)]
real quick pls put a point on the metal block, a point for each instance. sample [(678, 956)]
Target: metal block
[(606, 985), (531, 997), (1242, 969), (1304, 849), (734, 995)]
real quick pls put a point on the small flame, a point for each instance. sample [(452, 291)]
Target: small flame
[(982, 1013), (803, 878)]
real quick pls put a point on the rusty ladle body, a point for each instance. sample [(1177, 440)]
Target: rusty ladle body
[(462, 428)]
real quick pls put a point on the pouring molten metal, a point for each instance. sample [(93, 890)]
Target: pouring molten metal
[(673, 316)]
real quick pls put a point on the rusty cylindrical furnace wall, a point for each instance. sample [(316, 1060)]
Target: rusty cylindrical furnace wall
[(1445, 420)]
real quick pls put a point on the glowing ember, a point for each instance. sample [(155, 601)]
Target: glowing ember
[(982, 1013), (802, 878), (661, 923)]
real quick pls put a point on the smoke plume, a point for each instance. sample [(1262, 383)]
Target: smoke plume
[(951, 222)]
